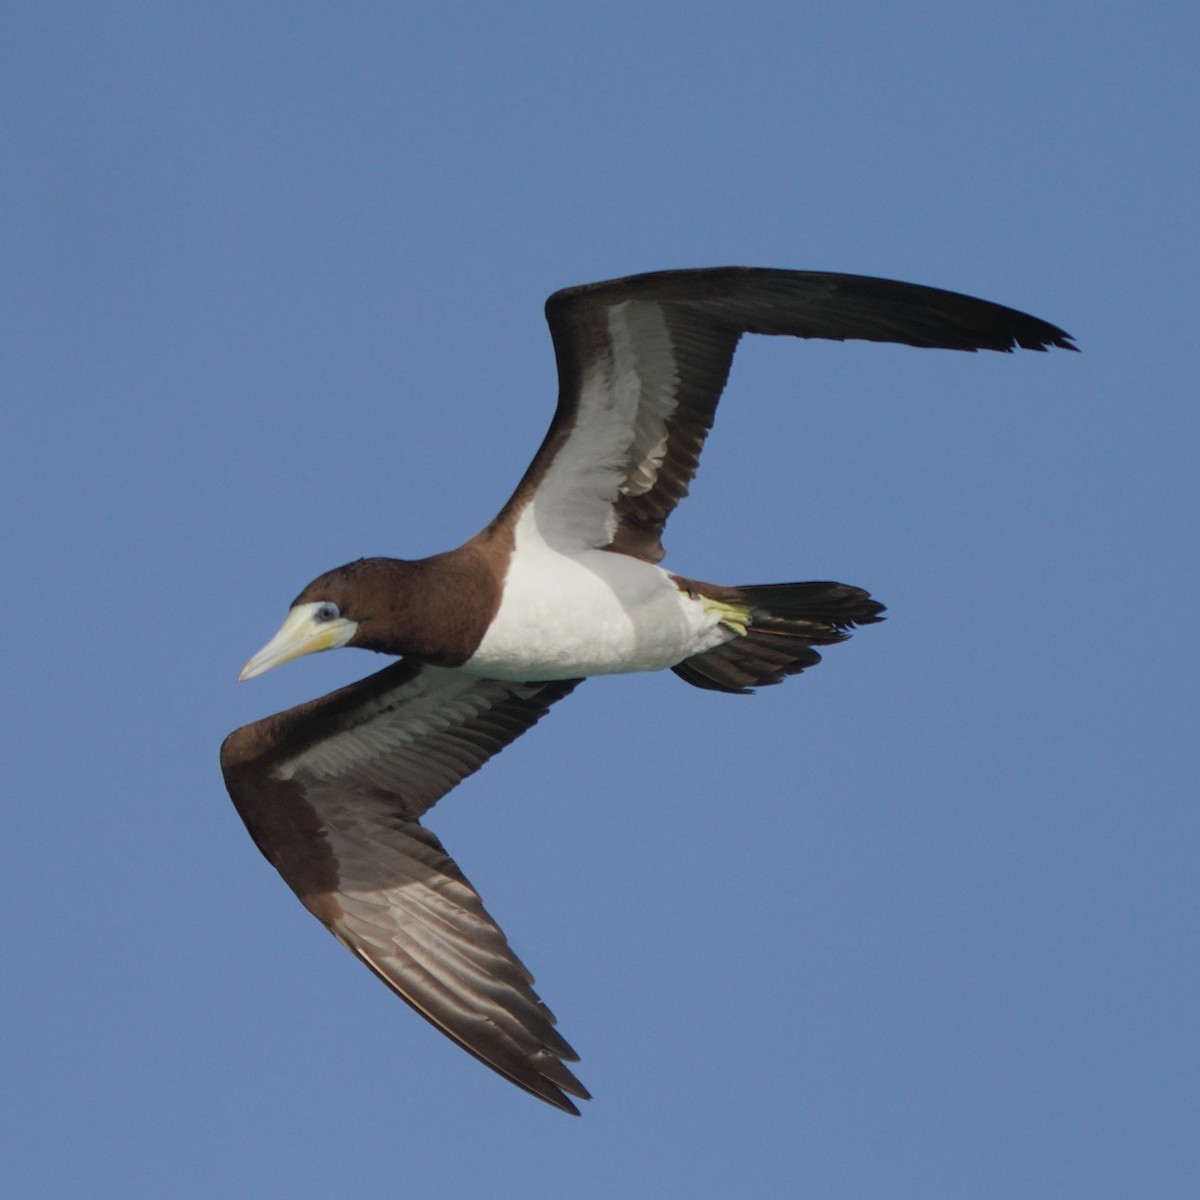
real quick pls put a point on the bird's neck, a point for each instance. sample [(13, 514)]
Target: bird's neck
[(436, 609)]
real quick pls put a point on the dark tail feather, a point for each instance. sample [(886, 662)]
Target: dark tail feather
[(785, 621)]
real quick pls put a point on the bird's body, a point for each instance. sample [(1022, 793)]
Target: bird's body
[(563, 584), (567, 616)]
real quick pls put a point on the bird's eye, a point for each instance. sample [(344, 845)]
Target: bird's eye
[(327, 611)]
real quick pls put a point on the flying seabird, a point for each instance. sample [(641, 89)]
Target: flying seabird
[(563, 584)]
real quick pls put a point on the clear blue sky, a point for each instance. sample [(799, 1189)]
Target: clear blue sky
[(919, 924)]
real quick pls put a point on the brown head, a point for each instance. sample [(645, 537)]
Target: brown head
[(360, 604), (436, 609)]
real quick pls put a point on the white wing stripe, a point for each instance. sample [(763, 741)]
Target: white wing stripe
[(619, 437), (642, 341), (436, 702)]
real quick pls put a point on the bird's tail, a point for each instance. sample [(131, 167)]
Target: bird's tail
[(776, 626)]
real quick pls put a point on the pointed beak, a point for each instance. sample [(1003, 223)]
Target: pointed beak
[(300, 634)]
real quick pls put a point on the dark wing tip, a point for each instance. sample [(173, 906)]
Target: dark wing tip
[(557, 1097), (833, 305), (520, 1043), (915, 314), (1041, 336)]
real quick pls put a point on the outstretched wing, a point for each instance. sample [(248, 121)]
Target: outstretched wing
[(642, 362), (332, 793)]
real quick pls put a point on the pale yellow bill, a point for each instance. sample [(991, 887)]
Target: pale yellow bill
[(300, 634)]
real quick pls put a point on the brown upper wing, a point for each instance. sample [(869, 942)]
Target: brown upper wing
[(642, 362), (332, 793)]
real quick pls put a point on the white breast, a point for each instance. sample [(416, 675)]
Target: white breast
[(563, 616)]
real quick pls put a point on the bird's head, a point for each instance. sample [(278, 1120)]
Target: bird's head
[(340, 608)]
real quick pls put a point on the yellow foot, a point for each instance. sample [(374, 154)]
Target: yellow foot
[(735, 617)]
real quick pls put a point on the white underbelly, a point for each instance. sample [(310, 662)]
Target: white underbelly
[(596, 613)]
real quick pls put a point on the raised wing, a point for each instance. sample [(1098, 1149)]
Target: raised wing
[(642, 362), (332, 793)]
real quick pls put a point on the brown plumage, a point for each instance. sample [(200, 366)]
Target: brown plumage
[(333, 791), (343, 829)]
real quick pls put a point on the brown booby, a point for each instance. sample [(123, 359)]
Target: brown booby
[(563, 584)]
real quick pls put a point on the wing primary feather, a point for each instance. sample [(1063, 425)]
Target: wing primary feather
[(332, 791), (642, 363)]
